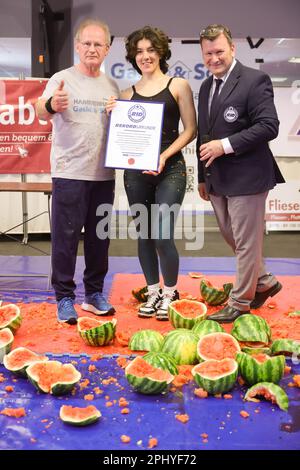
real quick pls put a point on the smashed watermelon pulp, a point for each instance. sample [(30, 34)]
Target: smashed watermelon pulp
[(77, 416), (217, 346), (96, 332), (53, 377), (185, 313), (10, 317), (146, 378), (20, 358), (216, 376), (256, 368)]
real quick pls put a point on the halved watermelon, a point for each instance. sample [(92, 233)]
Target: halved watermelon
[(53, 377), (77, 416), (161, 360), (6, 341), (205, 327), (256, 368), (146, 378), (269, 391), (212, 295), (10, 317), (20, 358), (217, 346), (288, 347), (216, 376), (96, 332), (186, 313), (251, 328), (181, 345), (146, 340)]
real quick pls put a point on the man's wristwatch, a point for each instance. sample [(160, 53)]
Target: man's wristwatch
[(49, 107)]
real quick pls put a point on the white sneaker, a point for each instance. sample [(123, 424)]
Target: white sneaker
[(162, 311), (148, 309)]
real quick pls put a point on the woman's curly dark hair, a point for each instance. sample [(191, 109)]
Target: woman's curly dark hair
[(159, 41)]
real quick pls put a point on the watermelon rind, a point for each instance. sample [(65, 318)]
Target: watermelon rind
[(279, 395), (215, 336), (256, 350), (6, 342), (162, 361), (146, 385), (253, 371), (181, 345), (98, 335), (180, 321), (207, 326), (286, 346), (14, 323), (221, 384), (251, 328), (59, 387), (140, 294), (295, 314), (212, 295), (10, 359), (146, 340), (66, 414)]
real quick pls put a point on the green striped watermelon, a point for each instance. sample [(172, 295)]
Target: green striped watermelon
[(6, 341), (288, 347), (260, 367), (269, 391), (255, 348), (140, 294), (212, 295), (146, 340), (161, 360), (10, 317), (53, 377), (205, 327), (181, 345), (77, 416), (146, 378), (186, 313), (96, 332), (20, 358), (217, 346), (251, 328), (216, 376)]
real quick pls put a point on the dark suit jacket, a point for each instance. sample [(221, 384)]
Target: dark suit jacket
[(247, 116)]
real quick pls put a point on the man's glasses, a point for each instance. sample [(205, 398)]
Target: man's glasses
[(87, 45)]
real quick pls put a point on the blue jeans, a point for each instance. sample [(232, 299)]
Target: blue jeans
[(156, 241), (74, 206)]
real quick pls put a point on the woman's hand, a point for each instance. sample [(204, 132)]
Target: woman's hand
[(111, 103), (162, 162)]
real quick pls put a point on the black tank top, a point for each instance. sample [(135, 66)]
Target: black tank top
[(171, 113)]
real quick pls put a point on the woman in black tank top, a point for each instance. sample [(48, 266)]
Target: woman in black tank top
[(155, 197)]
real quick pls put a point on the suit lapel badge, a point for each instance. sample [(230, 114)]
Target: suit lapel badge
[(231, 114)]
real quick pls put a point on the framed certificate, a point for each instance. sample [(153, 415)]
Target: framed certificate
[(134, 135)]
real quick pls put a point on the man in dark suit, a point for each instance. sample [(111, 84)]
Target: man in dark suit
[(236, 168)]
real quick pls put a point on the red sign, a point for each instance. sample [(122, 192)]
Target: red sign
[(25, 141)]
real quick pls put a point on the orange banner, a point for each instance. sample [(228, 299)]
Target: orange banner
[(25, 141)]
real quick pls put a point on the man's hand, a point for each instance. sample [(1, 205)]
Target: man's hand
[(60, 99), (210, 151), (202, 191)]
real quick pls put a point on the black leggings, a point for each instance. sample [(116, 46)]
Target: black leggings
[(155, 202)]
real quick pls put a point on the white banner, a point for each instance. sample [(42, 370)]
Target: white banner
[(283, 207)]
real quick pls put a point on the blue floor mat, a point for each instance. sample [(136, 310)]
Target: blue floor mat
[(267, 427)]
